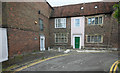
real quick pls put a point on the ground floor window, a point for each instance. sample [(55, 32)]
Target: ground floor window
[(94, 39), (61, 38)]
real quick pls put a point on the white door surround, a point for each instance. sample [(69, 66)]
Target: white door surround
[(42, 43), (74, 41)]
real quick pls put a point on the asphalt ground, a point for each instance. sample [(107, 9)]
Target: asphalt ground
[(74, 61)]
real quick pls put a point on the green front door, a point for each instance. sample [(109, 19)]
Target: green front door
[(77, 42)]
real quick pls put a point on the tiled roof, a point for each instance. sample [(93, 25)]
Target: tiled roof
[(89, 9)]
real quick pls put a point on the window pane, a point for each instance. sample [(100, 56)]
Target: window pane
[(96, 20), (59, 23), (88, 39), (93, 20), (100, 20), (89, 20), (77, 22), (92, 38), (99, 38), (95, 38), (41, 24)]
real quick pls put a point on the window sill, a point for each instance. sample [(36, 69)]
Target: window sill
[(94, 42), (59, 28), (94, 24), (61, 43)]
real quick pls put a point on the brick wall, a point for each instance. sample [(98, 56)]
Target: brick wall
[(109, 26), (21, 41), (23, 33), (54, 30)]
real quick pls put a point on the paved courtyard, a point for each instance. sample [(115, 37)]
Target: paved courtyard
[(78, 61)]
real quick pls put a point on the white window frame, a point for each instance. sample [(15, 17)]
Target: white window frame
[(59, 37), (62, 22)]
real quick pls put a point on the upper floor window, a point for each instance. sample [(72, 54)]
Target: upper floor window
[(60, 23), (94, 39), (77, 22), (41, 24), (95, 20)]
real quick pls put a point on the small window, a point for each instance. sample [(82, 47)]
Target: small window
[(41, 24), (96, 7), (82, 8), (39, 12), (77, 22)]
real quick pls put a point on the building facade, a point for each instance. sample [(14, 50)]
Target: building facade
[(35, 26), (27, 26), (98, 28), (60, 34)]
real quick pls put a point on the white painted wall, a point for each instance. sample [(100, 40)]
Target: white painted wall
[(77, 30), (3, 45)]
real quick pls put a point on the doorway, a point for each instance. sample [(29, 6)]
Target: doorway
[(77, 42), (42, 43)]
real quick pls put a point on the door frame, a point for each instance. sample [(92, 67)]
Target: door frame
[(74, 41), (42, 37)]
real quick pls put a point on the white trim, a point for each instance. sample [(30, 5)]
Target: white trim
[(42, 37), (74, 40), (61, 20)]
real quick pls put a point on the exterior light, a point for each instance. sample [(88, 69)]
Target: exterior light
[(35, 22)]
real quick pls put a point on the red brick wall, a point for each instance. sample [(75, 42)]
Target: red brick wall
[(19, 18), (21, 41)]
